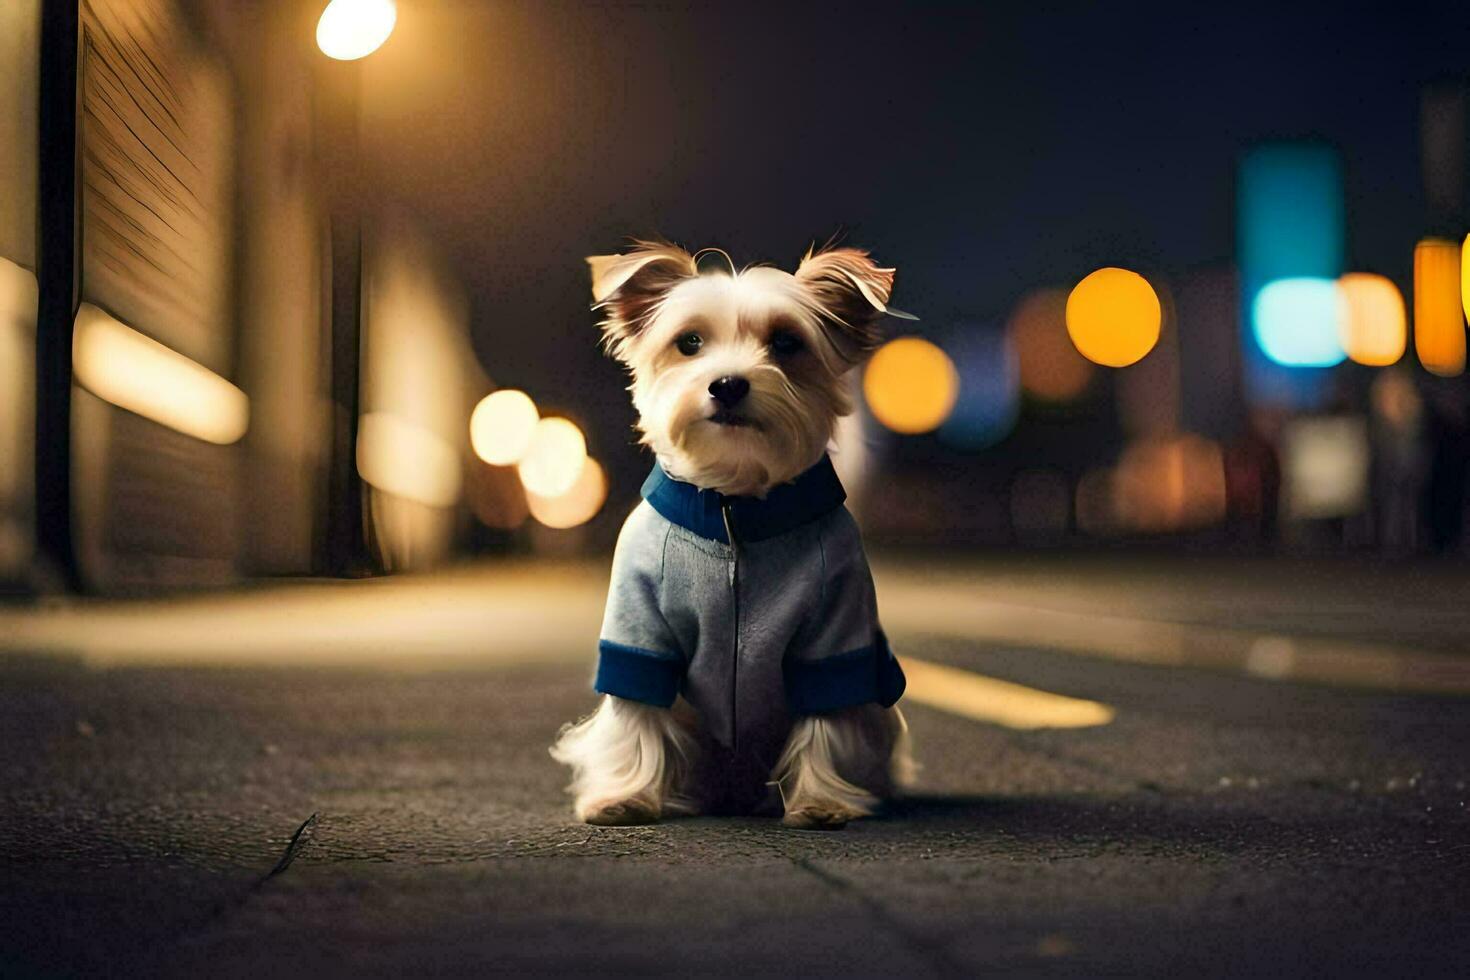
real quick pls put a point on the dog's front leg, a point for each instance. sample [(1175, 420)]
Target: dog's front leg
[(630, 763), (836, 767)]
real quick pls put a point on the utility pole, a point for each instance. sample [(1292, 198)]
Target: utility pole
[(57, 278), (338, 113)]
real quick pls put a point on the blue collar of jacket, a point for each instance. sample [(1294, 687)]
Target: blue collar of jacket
[(816, 492)]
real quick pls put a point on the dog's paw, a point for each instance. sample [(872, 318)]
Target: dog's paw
[(620, 813), (819, 817)]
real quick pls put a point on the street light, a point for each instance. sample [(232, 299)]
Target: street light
[(501, 426), (555, 458), (352, 29)]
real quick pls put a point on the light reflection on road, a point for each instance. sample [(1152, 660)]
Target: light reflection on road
[(550, 612)]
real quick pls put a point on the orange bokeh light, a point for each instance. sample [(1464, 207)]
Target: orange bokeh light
[(1374, 327), (1439, 320), (578, 505), (1169, 484), (911, 385), (1465, 275), (1114, 317), (1050, 367)]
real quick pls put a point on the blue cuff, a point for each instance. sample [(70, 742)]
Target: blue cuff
[(637, 674), (865, 676)]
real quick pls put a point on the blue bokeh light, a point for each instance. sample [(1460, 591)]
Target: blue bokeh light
[(1290, 225), (1296, 322), (990, 387)]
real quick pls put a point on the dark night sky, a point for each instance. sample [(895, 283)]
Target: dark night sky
[(984, 149)]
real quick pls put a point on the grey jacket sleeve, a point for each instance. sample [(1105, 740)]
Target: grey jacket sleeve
[(841, 658), (638, 655)]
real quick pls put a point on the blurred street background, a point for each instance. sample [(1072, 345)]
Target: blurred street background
[(311, 467)]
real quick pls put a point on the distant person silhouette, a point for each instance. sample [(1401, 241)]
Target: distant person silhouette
[(1400, 461)]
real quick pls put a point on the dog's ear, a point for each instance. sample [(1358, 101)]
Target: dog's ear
[(629, 287), (851, 292)]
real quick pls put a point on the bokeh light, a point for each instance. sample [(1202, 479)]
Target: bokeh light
[(1291, 224), (1439, 318), (1290, 213), (1113, 317), (352, 29), (1169, 484), (1050, 366), (990, 390), (1297, 322), (577, 505), (1396, 402), (120, 365), (554, 459), (910, 385), (501, 426), (1374, 328), (1324, 466), (1465, 276), (407, 460)]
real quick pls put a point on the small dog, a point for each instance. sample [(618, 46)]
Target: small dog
[(741, 659)]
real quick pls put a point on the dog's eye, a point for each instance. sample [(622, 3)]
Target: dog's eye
[(784, 343), (689, 344)]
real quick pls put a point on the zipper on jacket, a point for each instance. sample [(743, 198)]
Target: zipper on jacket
[(729, 517)]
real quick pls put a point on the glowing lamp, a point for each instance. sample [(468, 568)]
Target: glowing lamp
[(1297, 321), (578, 505), (501, 426), (1439, 320), (1374, 327), (120, 365), (352, 29), (1113, 317), (910, 385), (555, 458)]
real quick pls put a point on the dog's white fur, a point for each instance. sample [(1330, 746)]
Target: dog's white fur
[(634, 763), (629, 760)]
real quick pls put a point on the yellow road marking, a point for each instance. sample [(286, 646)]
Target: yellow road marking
[(996, 701)]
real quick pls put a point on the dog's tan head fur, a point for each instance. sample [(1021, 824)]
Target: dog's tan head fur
[(739, 377)]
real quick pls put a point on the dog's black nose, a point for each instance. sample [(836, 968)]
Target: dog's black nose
[(729, 390)]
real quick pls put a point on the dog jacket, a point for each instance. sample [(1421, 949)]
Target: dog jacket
[(754, 609)]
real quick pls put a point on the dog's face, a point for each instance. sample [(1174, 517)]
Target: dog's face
[(738, 378)]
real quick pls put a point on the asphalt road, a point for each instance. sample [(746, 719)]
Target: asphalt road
[(1221, 824)]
